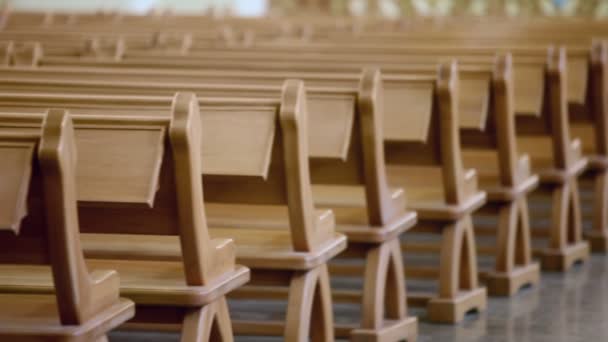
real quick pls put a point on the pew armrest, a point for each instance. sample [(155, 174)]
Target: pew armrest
[(470, 185)]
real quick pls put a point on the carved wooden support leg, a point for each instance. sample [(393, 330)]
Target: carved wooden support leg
[(598, 236), (309, 311), (565, 241), (459, 292), (514, 266), (209, 323), (383, 310)]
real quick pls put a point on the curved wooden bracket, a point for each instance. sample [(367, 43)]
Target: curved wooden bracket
[(209, 323), (309, 310), (384, 287), (458, 268), (380, 208)]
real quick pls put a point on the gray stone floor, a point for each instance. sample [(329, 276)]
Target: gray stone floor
[(568, 307)]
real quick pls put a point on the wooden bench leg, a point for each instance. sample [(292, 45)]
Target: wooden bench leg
[(514, 267), (383, 310), (209, 323), (459, 292), (565, 240), (598, 236), (309, 310)]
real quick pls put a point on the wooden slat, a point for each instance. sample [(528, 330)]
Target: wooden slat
[(528, 89), (118, 165), (407, 111), (239, 144), (15, 171), (331, 121), (474, 102), (577, 79)]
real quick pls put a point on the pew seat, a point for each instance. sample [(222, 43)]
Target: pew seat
[(426, 195), (541, 153), (31, 315), (588, 137), (260, 241), (349, 206), (264, 242), (488, 175), (146, 282)]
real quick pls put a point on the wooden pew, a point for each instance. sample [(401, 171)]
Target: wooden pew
[(532, 70), (530, 63), (505, 33), (347, 172), (38, 222), (241, 188), (509, 274), (420, 166), (473, 77), (589, 123), (505, 174), (107, 45), (404, 137), (584, 82), (126, 208), (205, 57), (558, 161), (389, 57)]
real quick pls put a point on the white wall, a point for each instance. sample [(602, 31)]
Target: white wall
[(244, 7)]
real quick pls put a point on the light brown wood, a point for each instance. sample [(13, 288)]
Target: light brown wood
[(205, 274), (443, 193), (450, 212), (366, 210), (41, 229), (507, 177), (309, 240), (530, 80), (577, 64), (558, 160)]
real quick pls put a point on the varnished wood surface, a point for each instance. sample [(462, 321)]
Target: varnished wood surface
[(423, 112), (77, 305)]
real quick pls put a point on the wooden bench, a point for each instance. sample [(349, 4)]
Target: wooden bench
[(38, 223), (241, 189), (445, 195), (506, 176), (399, 89), (455, 34), (484, 162), (533, 81), (582, 61), (110, 45), (584, 83), (472, 108), (475, 93), (347, 172)]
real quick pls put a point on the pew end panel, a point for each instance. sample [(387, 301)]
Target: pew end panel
[(445, 195), (37, 238), (152, 151), (588, 123), (559, 161)]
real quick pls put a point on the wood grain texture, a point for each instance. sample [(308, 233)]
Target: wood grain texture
[(79, 305)]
